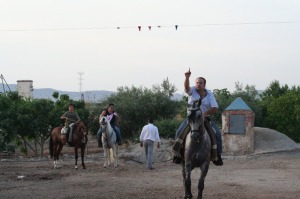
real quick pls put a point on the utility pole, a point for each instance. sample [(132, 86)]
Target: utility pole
[(80, 85), (3, 79)]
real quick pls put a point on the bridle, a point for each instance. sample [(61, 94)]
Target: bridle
[(192, 116)]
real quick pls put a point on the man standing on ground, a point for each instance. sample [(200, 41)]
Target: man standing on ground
[(148, 136)]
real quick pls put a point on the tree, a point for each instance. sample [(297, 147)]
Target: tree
[(274, 91), (224, 98), (281, 109), (136, 104), (8, 106), (283, 114)]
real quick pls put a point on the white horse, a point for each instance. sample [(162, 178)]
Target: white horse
[(109, 139)]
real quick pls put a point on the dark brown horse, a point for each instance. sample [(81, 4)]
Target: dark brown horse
[(58, 140)]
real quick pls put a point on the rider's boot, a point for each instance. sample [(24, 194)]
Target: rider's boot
[(219, 162), (177, 159)]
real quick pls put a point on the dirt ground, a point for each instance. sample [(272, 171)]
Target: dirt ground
[(271, 175)]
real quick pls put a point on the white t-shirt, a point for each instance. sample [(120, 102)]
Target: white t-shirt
[(207, 102)]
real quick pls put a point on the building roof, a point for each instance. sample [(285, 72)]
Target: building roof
[(238, 104)]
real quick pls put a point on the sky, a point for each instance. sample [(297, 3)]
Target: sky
[(76, 45)]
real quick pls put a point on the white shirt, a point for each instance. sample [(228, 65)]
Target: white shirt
[(207, 102), (149, 132)]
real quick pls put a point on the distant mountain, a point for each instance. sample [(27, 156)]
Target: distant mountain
[(92, 96), (46, 93)]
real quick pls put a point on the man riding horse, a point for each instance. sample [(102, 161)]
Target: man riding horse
[(209, 106), (71, 118)]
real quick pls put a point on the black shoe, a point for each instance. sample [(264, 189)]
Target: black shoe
[(219, 162), (177, 160), (151, 168), (119, 143), (100, 145)]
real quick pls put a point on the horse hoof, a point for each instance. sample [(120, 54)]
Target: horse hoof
[(76, 167)]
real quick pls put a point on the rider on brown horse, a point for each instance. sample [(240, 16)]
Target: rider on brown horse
[(71, 118)]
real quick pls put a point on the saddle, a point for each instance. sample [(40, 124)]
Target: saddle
[(177, 147)]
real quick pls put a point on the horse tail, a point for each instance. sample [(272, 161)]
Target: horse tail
[(51, 146)]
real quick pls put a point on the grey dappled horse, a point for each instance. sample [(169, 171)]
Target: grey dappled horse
[(109, 139), (196, 149)]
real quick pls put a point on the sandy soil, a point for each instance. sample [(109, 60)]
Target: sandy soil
[(266, 175)]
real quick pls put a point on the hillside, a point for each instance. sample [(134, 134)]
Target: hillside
[(92, 96)]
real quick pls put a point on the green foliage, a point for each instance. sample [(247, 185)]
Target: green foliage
[(248, 94), (32, 119), (167, 127), (10, 104), (224, 99), (282, 110), (135, 105)]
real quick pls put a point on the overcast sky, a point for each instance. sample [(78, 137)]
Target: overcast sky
[(253, 42)]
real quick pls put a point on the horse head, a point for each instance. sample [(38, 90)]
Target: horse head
[(103, 122), (81, 131), (196, 121), (82, 127)]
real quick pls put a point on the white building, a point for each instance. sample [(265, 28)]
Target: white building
[(25, 88)]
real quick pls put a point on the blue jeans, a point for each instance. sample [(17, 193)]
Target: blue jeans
[(218, 136), (116, 129), (213, 125), (149, 145)]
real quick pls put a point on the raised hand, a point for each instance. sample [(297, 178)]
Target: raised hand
[(188, 74)]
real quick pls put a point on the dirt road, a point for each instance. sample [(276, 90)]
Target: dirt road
[(271, 175)]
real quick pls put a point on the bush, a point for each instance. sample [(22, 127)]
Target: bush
[(167, 127)]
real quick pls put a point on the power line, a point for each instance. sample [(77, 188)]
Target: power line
[(150, 27)]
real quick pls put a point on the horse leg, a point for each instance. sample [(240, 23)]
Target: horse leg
[(109, 156), (76, 156), (82, 156), (186, 172), (105, 156), (204, 170), (55, 157), (115, 156), (58, 150)]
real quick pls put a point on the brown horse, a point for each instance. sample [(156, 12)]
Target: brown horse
[(58, 140)]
